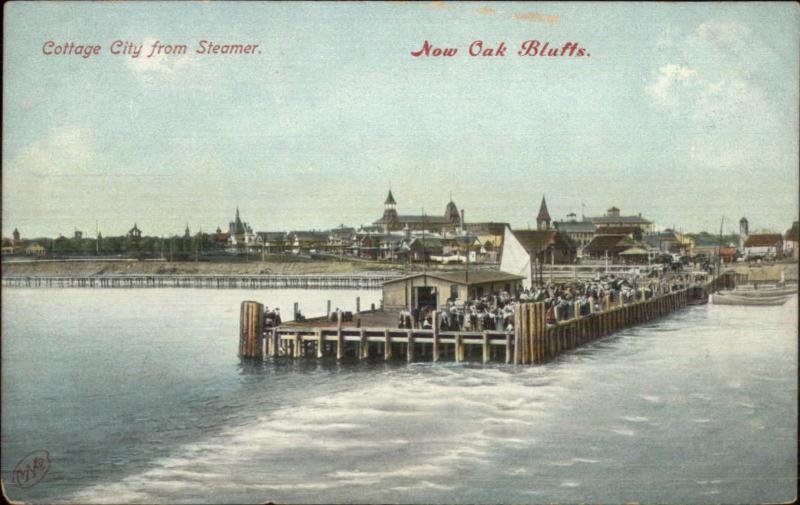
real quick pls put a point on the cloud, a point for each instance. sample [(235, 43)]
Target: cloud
[(486, 10), (67, 150), (667, 76), (723, 31), (726, 114)]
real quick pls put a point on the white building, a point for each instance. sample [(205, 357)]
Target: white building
[(763, 245)]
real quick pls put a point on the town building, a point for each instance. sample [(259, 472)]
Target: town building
[(434, 289), (307, 242), (271, 241), (525, 251), (666, 241), (240, 233), (392, 221), (490, 236), (135, 233), (609, 246), (35, 249), (613, 218), (581, 232), (763, 245), (727, 254), (790, 241)]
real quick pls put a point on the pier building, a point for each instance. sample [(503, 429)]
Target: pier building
[(434, 289)]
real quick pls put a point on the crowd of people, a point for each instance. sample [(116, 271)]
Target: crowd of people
[(562, 301), (272, 317)]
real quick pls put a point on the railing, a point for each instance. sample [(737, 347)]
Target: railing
[(367, 281)]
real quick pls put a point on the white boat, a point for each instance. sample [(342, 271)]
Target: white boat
[(760, 293), (732, 299)]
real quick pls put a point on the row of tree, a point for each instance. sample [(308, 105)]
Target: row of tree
[(123, 245)]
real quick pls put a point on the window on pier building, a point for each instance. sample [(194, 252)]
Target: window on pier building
[(454, 291)]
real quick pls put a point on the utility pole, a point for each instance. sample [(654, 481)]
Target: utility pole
[(424, 258), (719, 247)]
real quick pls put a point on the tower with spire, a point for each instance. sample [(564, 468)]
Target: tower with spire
[(390, 218), (744, 232), (451, 212), (543, 218)]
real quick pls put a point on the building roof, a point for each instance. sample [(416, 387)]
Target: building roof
[(270, 235), (423, 219), (427, 243), (543, 214), (609, 220), (634, 251), (575, 226), (390, 199), (535, 241), (611, 243), (314, 236), (621, 230), (465, 278), (490, 228), (763, 240)]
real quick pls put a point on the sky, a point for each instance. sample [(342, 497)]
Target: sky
[(683, 112)]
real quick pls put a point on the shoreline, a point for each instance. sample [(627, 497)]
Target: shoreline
[(283, 266)]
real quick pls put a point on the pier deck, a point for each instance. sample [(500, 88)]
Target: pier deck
[(531, 342)]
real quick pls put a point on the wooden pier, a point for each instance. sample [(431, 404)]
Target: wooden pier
[(531, 341), (356, 281)]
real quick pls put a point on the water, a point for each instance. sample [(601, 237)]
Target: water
[(139, 397)]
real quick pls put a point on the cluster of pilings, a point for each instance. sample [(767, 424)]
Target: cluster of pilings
[(532, 340)]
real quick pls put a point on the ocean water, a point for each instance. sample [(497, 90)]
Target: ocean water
[(138, 396)]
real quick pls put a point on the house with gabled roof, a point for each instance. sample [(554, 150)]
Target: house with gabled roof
[(763, 245), (526, 250)]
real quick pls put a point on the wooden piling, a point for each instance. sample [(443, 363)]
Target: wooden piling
[(508, 348), (320, 344), (410, 346), (273, 347), (517, 337), (387, 345), (363, 346), (297, 346), (339, 339), (251, 324), (435, 350), (485, 347)]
